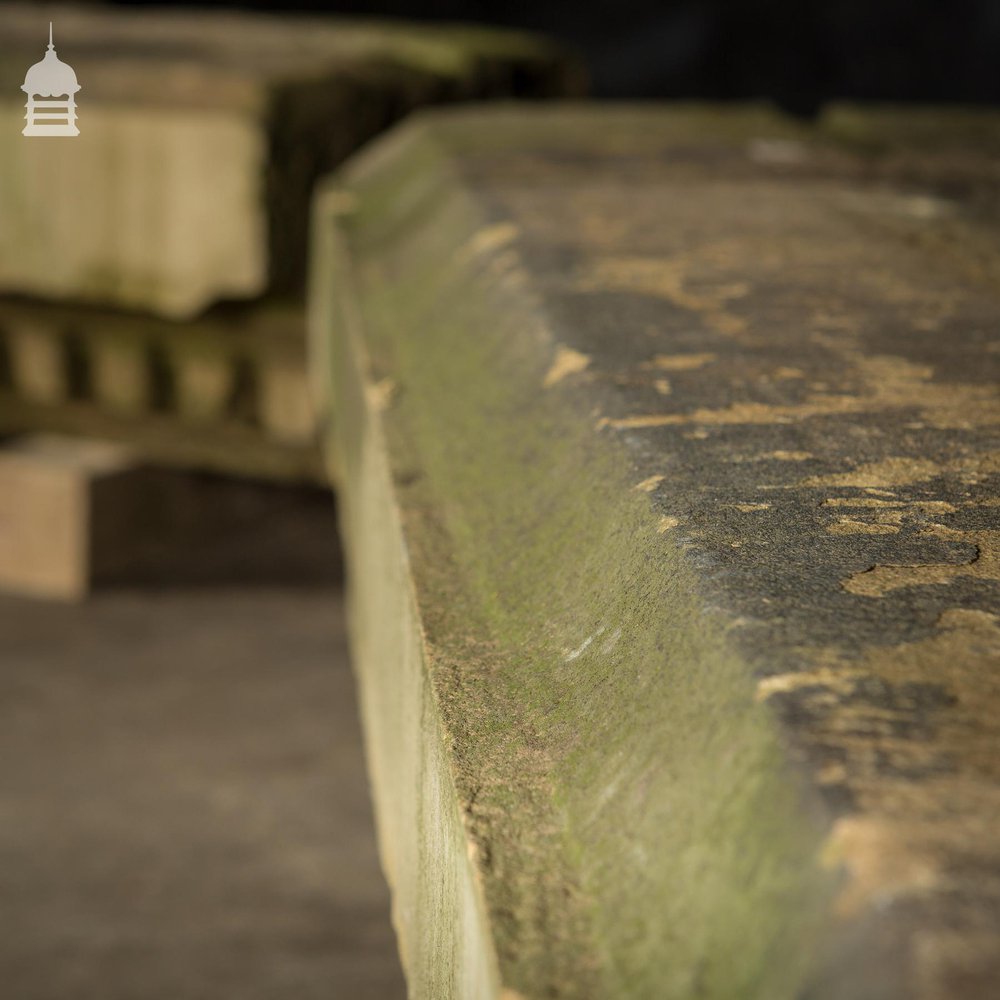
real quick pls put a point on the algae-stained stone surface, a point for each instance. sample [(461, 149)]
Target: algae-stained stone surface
[(669, 453), (201, 135)]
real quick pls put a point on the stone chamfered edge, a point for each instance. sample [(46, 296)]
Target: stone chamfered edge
[(572, 617)]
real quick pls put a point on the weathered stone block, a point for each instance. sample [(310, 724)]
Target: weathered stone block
[(204, 382), (667, 444), (119, 370), (76, 514), (201, 135), (36, 353), (49, 489), (238, 373), (286, 407)]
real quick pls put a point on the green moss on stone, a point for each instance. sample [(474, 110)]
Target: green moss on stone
[(639, 831)]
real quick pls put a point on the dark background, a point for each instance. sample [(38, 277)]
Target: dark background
[(798, 54)]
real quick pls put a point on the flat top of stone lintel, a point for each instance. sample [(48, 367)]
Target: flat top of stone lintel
[(788, 336), (794, 330), (791, 332)]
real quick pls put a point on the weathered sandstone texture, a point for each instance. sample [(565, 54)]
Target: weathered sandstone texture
[(668, 451)]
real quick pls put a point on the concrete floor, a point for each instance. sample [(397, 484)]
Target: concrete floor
[(184, 813)]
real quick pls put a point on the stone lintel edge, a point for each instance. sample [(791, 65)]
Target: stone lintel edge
[(444, 939), (778, 826)]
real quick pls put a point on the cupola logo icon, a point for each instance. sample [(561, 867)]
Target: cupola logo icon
[(50, 78)]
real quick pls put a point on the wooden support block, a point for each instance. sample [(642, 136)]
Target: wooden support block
[(201, 135), (667, 442)]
